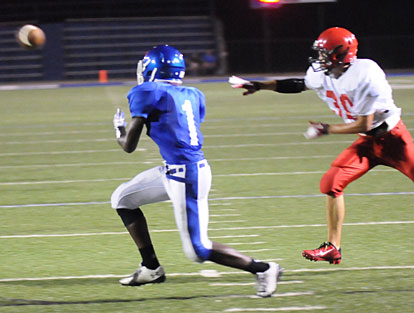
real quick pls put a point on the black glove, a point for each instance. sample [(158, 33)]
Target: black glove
[(251, 87)]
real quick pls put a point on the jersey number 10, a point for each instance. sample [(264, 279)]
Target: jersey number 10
[(343, 106), (188, 109)]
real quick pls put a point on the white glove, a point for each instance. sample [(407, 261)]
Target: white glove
[(250, 86), (237, 82), (119, 123), (316, 130)]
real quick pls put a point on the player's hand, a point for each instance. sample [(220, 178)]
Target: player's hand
[(119, 123), (250, 86), (316, 129)]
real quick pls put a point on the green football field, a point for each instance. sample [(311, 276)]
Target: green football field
[(63, 248)]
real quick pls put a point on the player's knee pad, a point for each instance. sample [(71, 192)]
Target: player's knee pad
[(129, 216), (330, 184)]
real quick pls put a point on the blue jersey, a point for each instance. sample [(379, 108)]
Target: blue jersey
[(173, 115)]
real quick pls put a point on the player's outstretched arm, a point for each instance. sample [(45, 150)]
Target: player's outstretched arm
[(251, 86), (128, 140), (290, 85)]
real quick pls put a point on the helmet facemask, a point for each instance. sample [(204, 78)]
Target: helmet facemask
[(142, 71), (327, 60)]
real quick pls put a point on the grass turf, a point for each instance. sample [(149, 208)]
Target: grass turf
[(57, 148)]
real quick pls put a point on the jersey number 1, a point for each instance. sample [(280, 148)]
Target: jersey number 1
[(188, 109)]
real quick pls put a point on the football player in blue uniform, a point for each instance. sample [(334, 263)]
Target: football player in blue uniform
[(172, 114)]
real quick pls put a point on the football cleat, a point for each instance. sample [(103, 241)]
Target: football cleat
[(326, 252), (144, 275), (267, 280)]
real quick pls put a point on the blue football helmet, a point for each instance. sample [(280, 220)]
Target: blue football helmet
[(161, 63)]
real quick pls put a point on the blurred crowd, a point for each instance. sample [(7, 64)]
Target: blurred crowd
[(204, 64)]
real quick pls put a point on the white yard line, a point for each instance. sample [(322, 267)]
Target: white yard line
[(57, 141), (110, 132), (159, 161), (250, 145), (32, 205), (96, 180), (204, 147), (280, 309), (374, 194), (200, 273), (212, 123), (232, 236), (210, 229), (69, 181), (289, 282), (58, 152), (223, 215), (311, 225), (60, 132), (73, 164), (244, 243), (340, 269), (227, 146), (232, 221), (402, 86), (254, 251), (111, 139)]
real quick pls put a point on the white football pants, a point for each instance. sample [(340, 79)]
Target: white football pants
[(188, 187)]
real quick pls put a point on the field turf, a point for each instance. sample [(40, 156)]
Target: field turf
[(63, 248)]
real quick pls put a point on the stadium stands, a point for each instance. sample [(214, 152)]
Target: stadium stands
[(79, 49)]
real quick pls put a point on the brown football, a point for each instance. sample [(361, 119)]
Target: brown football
[(30, 37)]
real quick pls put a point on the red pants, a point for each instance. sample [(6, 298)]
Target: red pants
[(395, 149)]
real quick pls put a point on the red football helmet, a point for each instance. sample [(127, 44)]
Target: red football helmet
[(335, 46)]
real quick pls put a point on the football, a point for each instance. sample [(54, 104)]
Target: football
[(31, 37)]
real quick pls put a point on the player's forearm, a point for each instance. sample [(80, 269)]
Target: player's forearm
[(290, 85), (268, 85), (352, 128), (361, 125), (129, 139), (128, 143)]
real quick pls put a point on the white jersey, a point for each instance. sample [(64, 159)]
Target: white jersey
[(361, 90)]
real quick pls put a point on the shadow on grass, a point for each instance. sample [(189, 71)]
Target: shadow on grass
[(50, 283), (103, 283), (25, 302)]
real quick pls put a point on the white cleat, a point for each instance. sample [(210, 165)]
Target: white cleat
[(267, 281), (144, 275)]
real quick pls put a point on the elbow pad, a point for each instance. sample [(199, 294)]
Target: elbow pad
[(291, 85)]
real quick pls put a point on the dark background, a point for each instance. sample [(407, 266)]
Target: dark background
[(384, 30), (256, 40)]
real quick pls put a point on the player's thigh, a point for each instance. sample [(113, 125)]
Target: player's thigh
[(399, 150), (351, 164), (188, 190), (147, 187), (190, 201)]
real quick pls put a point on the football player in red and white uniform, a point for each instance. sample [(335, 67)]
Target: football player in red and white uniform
[(357, 91)]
